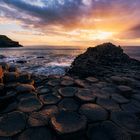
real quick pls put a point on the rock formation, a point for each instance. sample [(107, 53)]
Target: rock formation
[(6, 42), (102, 60)]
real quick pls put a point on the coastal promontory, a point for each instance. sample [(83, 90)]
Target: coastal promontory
[(6, 42)]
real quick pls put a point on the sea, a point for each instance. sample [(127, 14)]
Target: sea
[(49, 61)]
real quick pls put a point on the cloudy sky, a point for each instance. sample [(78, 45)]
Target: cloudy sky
[(71, 22)]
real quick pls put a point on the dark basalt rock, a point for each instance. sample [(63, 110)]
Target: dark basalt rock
[(127, 121), (107, 131), (37, 133), (29, 104), (37, 119), (6, 42), (68, 91), (68, 122), (12, 123), (68, 104), (93, 112), (102, 60)]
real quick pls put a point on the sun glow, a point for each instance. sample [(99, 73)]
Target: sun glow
[(102, 35)]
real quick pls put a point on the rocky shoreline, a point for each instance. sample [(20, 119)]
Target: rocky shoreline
[(69, 107)]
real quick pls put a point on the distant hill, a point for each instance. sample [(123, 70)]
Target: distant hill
[(6, 42)]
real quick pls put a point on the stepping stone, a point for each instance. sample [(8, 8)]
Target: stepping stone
[(100, 84), (108, 90), (67, 78), (6, 100), (29, 105), (136, 97), (10, 107), (1, 72), (127, 121), (38, 119), (67, 82), (68, 91), (68, 104), (135, 103), (49, 99), (2, 92), (24, 77), (130, 108), (5, 138), (117, 79), (13, 68), (43, 90), (67, 122), (49, 110), (119, 99), (26, 95), (54, 83), (4, 65), (93, 112), (92, 79), (85, 95), (124, 89), (80, 83), (10, 76), (36, 133), (99, 94), (107, 131), (25, 88), (108, 104), (12, 123)]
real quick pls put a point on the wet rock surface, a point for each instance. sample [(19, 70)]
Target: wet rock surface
[(70, 107)]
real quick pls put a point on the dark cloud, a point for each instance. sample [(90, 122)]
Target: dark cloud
[(66, 13), (131, 33)]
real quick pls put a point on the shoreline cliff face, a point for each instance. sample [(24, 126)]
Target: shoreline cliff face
[(68, 107), (6, 42)]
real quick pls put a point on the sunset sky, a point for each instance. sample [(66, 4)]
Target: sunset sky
[(71, 22)]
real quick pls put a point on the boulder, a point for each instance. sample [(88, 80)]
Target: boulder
[(102, 60)]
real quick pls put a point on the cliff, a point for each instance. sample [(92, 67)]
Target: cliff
[(6, 42)]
